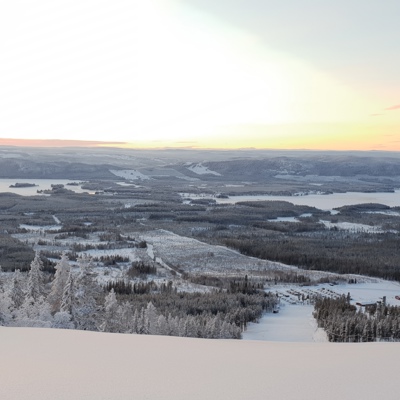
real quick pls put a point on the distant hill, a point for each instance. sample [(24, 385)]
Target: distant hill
[(206, 165), (20, 168), (333, 165)]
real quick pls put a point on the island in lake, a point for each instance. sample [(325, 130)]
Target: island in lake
[(23, 185)]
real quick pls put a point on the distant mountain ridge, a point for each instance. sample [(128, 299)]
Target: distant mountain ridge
[(256, 166), (344, 166)]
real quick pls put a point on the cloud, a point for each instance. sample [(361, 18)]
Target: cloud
[(56, 143), (396, 107)]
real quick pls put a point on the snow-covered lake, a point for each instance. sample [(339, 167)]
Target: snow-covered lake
[(42, 184), (321, 201)]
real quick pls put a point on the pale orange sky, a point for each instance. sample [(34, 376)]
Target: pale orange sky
[(202, 74)]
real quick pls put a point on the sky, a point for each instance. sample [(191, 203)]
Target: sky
[(283, 74)]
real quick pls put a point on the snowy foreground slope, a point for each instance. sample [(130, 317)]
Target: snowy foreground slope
[(44, 364)]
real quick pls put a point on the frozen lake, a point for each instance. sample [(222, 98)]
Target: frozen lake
[(321, 201), (42, 184), (327, 201)]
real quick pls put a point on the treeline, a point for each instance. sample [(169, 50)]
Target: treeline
[(343, 323)]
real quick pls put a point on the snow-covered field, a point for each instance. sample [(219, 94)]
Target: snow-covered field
[(42, 364), (200, 169), (43, 228), (344, 226), (130, 174), (352, 227)]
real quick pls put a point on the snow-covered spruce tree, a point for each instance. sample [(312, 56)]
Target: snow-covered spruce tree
[(5, 307), (135, 322), (191, 326), (16, 290), (33, 313), (30, 309), (126, 318), (140, 322), (111, 314), (86, 291), (162, 325), (67, 299), (63, 318), (57, 287), (5, 303), (35, 278), (151, 319), (173, 325)]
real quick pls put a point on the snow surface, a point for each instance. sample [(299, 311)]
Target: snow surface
[(35, 228), (200, 169), (352, 227), (392, 213), (56, 220), (48, 364), (284, 219), (130, 174), (293, 323)]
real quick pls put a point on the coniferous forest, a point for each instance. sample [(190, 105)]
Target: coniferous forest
[(343, 322)]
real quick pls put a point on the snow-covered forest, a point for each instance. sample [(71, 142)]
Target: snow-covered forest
[(73, 299), (343, 322)]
